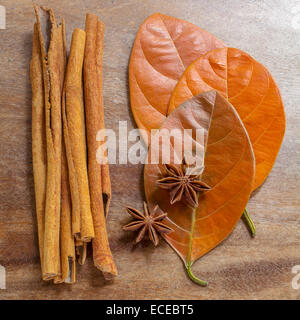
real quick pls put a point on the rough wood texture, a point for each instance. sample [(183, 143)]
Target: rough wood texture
[(240, 267)]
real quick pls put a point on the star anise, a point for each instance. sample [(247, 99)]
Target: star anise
[(148, 221), (182, 185)]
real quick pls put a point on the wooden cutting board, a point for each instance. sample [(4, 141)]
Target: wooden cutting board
[(241, 267)]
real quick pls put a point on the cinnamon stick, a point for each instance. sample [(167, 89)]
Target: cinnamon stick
[(76, 225), (68, 257), (106, 184), (102, 256), (53, 62), (38, 138), (75, 124)]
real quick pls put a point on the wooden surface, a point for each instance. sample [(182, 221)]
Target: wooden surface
[(240, 267)]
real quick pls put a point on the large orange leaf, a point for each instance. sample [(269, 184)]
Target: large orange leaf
[(250, 88), (164, 47), (228, 170)]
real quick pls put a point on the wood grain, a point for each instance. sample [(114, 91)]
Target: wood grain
[(241, 267)]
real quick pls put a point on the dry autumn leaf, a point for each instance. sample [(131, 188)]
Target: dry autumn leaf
[(250, 88), (164, 47), (228, 170)]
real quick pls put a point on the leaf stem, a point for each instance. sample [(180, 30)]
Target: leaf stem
[(189, 255), (250, 222), (193, 277)]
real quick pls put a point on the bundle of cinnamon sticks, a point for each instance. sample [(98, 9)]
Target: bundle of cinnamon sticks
[(72, 187)]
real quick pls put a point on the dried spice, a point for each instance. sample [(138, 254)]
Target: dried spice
[(182, 185), (68, 258), (164, 47), (74, 126), (148, 221), (39, 155), (250, 88), (105, 176), (102, 255), (228, 170), (53, 58)]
